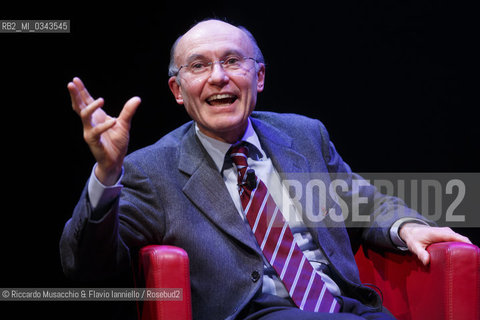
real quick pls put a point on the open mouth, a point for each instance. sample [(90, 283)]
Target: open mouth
[(221, 99)]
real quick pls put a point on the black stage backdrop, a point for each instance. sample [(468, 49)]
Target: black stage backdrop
[(393, 81)]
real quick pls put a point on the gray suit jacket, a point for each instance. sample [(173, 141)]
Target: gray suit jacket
[(173, 194)]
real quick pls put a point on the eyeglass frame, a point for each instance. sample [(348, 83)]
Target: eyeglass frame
[(211, 63)]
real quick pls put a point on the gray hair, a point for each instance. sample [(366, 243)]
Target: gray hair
[(173, 69)]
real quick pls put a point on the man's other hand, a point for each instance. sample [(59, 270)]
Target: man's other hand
[(418, 237)]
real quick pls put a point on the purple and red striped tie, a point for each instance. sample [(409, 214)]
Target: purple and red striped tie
[(305, 286)]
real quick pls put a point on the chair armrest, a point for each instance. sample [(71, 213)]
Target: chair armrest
[(166, 267), (448, 288)]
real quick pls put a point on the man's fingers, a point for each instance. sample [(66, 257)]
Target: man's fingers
[(86, 113), (439, 235), (446, 234), (419, 238), (79, 94), (83, 92), (424, 256), (95, 132), (457, 237), (421, 253), (129, 109), (77, 103)]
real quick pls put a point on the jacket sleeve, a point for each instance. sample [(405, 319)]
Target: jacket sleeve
[(92, 249), (97, 245)]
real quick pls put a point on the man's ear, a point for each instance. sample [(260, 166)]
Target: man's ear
[(260, 77), (175, 88)]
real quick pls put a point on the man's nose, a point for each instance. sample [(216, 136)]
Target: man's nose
[(218, 75)]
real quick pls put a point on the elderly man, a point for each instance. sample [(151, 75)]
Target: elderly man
[(216, 187)]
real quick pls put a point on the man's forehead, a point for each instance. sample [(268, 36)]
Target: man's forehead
[(212, 35)]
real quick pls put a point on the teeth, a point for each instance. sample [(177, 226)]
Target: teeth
[(220, 96)]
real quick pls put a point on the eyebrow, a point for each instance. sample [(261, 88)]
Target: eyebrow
[(196, 56)]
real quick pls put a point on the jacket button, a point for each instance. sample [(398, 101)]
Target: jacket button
[(255, 276)]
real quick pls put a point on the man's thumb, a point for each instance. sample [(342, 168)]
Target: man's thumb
[(129, 109)]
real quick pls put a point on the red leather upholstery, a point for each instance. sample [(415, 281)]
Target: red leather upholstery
[(166, 267), (449, 288)]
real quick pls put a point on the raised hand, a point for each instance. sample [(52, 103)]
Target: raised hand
[(106, 136)]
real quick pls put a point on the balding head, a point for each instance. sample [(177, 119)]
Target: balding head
[(212, 29)]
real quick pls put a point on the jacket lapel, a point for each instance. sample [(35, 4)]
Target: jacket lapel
[(207, 191)]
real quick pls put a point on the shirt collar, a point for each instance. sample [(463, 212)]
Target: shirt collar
[(218, 149)]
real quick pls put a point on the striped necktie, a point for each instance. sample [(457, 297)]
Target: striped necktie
[(305, 286)]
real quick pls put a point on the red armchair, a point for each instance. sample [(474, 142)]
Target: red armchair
[(449, 288)]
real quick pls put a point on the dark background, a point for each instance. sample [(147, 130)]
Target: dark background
[(395, 83)]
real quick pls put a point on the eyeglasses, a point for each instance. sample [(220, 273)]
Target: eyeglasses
[(229, 64)]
